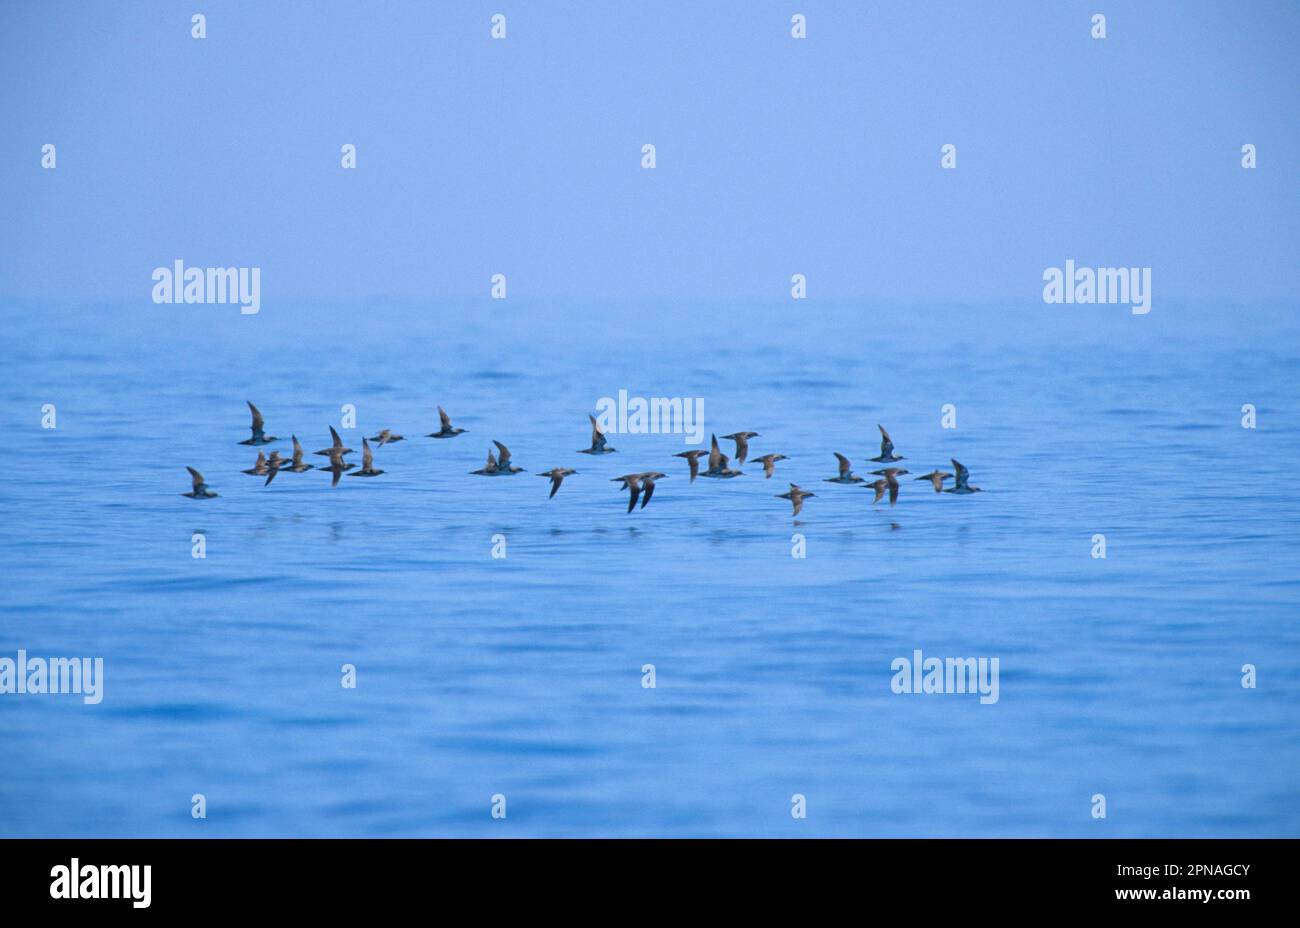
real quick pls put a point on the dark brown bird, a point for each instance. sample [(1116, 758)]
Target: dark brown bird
[(642, 485), (259, 437), (503, 460), (846, 472), (259, 469), (796, 496), (200, 489), (963, 480), (936, 477), (718, 463), (273, 465), (336, 448), (769, 463), (599, 445), (891, 472), (693, 457), (557, 475), (446, 431), (367, 462), (742, 444), (886, 448), (337, 467), (888, 482), (297, 465), (386, 437), (489, 469)]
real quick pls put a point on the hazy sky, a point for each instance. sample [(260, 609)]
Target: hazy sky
[(775, 155)]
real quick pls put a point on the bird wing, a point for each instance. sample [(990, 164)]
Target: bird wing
[(845, 467), (444, 419), (962, 473), (597, 434), (195, 477), (649, 492), (258, 421), (297, 451), (893, 490), (715, 454), (886, 443), (503, 462), (338, 442), (367, 459), (555, 483)]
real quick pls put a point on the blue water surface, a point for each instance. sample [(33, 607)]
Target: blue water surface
[(522, 675)]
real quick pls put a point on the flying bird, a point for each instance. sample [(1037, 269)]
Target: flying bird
[(386, 437), (888, 482), (599, 444), (636, 484), (557, 475), (846, 471), (490, 469), (693, 458), (259, 436), (886, 448), (891, 472), (963, 480), (796, 496), (503, 460), (648, 485), (446, 431), (936, 477), (335, 452), (337, 467), (336, 448), (367, 462), (258, 469), (296, 465), (497, 467), (718, 463), (769, 463), (742, 444), (200, 489), (273, 465), (631, 483)]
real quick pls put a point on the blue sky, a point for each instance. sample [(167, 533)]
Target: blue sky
[(775, 156)]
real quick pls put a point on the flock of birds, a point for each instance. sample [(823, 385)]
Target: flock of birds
[(640, 486)]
